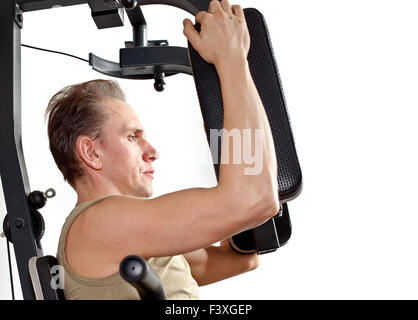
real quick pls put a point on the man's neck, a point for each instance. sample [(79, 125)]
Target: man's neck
[(88, 191)]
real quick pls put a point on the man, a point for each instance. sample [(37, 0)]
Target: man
[(101, 147)]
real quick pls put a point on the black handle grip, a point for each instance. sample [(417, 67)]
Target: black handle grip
[(140, 275)]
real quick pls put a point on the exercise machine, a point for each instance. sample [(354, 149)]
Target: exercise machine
[(140, 59)]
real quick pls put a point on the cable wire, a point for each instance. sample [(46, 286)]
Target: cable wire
[(59, 52)]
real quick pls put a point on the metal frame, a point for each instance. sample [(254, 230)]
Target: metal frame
[(13, 171), (12, 167), (192, 6)]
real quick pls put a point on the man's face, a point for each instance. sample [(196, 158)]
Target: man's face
[(128, 157)]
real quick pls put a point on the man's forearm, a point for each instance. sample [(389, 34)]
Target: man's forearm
[(213, 264), (243, 109)]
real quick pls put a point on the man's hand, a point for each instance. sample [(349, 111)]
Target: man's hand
[(224, 36), (214, 263)]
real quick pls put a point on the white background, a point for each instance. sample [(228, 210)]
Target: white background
[(349, 71)]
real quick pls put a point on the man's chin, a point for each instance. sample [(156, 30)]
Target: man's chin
[(145, 193)]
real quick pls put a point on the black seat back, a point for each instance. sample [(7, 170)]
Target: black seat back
[(47, 278)]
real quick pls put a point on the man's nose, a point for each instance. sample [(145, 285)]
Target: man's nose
[(150, 154)]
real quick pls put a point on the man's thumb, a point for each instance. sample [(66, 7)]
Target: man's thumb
[(191, 33)]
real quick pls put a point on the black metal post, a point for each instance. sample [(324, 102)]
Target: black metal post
[(12, 163), (139, 26)]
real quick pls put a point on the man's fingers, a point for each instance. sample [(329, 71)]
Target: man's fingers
[(227, 7), (191, 33), (201, 16), (214, 6), (237, 10)]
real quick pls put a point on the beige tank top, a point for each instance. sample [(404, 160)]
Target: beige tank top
[(174, 273)]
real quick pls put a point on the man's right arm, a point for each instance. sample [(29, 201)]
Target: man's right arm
[(191, 219)]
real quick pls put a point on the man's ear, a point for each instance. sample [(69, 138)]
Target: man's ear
[(89, 152)]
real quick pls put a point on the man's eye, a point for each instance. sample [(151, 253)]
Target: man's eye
[(133, 138)]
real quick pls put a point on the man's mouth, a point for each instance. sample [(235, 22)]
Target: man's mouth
[(149, 173)]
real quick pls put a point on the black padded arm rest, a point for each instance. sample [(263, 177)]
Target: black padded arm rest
[(264, 71)]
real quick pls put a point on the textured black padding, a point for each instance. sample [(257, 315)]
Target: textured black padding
[(43, 267), (266, 78)]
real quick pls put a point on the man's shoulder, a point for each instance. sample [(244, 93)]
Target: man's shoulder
[(105, 211), (111, 202)]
